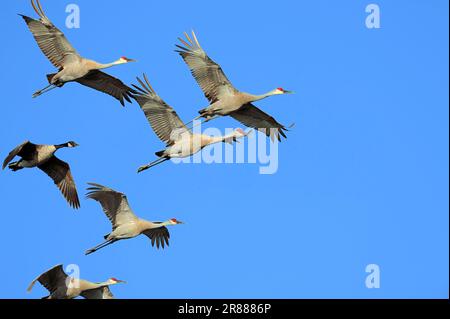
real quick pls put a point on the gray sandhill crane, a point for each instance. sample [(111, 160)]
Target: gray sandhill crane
[(62, 286), (125, 224), (224, 98), (43, 157), (169, 128), (72, 67)]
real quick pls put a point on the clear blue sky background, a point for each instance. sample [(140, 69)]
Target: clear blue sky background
[(363, 177)]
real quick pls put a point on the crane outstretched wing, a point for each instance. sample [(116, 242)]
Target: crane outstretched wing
[(50, 39), (52, 279), (108, 84), (98, 293), (24, 150), (251, 116), (59, 171), (160, 236), (208, 74), (163, 119), (115, 205)]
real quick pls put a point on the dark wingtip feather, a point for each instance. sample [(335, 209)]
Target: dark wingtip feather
[(75, 205), (127, 98), (26, 18)]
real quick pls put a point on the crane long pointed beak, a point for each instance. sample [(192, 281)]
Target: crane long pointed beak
[(289, 92)]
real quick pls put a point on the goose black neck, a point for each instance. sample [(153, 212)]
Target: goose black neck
[(61, 145)]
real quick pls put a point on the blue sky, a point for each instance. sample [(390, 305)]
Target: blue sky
[(362, 179)]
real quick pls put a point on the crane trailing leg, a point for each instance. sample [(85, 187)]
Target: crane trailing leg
[(52, 84), (44, 90), (154, 163), (206, 117), (197, 118), (102, 245), (208, 114)]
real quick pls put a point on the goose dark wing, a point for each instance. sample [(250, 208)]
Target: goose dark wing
[(59, 171), (24, 150)]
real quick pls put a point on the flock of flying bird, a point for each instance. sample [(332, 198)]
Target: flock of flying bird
[(224, 99)]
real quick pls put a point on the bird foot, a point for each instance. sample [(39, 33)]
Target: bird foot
[(142, 168), (36, 94)]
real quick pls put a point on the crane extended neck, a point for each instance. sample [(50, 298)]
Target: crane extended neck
[(224, 138), (255, 98), (145, 224), (93, 65), (108, 65)]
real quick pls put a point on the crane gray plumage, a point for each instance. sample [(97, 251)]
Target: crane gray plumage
[(72, 67), (165, 122), (223, 97), (163, 119), (43, 157), (98, 293), (54, 280), (62, 286), (125, 224)]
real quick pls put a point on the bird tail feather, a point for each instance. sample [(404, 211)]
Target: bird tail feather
[(203, 112), (50, 77), (15, 166)]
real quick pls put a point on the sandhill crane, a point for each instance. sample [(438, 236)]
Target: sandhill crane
[(125, 224), (62, 286), (72, 67), (43, 157), (224, 98), (169, 128)]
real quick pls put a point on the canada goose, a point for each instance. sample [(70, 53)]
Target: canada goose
[(62, 286), (43, 157)]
